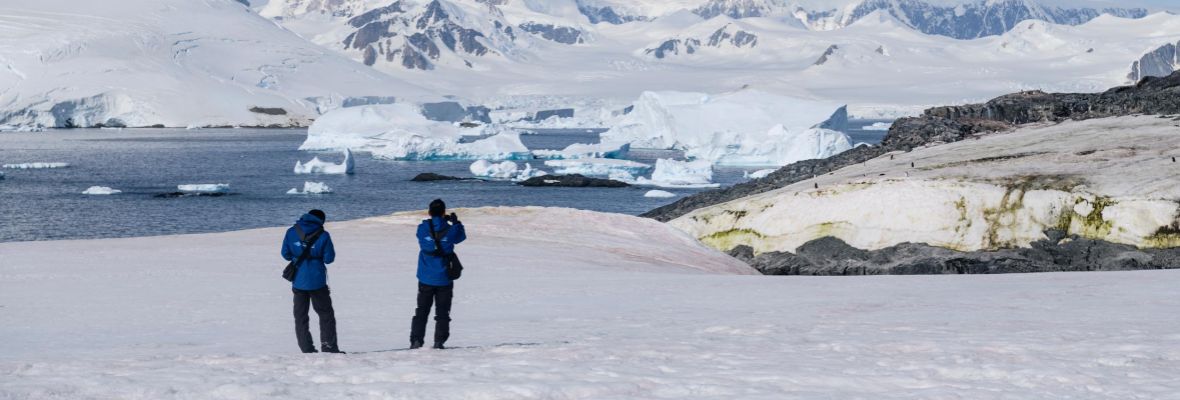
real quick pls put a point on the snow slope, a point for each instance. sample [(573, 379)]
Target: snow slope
[(171, 62), (565, 304), (1112, 179)]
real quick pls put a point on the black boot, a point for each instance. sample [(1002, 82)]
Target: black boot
[(416, 344), (439, 346)]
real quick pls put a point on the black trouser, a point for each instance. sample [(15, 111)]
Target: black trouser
[(442, 315), (321, 300)]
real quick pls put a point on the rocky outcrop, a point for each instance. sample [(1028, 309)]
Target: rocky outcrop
[(572, 180), (831, 256), (950, 124), (433, 177), (726, 36), (559, 34)]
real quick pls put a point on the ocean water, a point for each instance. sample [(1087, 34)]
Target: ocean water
[(48, 204)]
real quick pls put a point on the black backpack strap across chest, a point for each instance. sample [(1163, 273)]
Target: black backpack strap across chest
[(437, 236)]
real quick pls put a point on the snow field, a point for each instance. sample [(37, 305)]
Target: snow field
[(568, 304)]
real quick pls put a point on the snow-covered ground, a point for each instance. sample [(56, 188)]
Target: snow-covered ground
[(1112, 179), (562, 304), (172, 62)]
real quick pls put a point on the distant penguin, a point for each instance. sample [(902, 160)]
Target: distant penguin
[(911, 164), (816, 185), (890, 156)]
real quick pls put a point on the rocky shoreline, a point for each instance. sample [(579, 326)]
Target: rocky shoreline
[(954, 123), (1059, 251)]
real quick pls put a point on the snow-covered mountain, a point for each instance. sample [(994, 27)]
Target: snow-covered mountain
[(961, 21), (171, 63), (1159, 62)]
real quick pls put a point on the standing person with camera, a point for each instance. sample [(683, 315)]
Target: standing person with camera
[(437, 268), (309, 249)]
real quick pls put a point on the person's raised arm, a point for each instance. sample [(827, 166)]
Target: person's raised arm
[(458, 233)]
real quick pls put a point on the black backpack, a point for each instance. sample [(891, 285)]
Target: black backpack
[(450, 261)]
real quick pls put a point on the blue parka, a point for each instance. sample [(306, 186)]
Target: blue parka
[(313, 273), (431, 270)]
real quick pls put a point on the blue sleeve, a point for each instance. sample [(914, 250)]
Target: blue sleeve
[(458, 234), (286, 248), (423, 236), (328, 251)]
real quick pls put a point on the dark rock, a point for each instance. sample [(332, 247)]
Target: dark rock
[(823, 58), (573, 180), (831, 256), (559, 34), (431, 177), (268, 110), (674, 47), (606, 14), (950, 124)]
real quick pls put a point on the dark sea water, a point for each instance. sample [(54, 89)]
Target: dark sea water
[(47, 204)]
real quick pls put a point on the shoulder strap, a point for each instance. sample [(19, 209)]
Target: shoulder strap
[(307, 243), (437, 236)]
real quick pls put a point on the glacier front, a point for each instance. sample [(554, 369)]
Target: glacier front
[(746, 127), (401, 132)]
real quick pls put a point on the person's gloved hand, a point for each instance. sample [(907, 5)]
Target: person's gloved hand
[(453, 218)]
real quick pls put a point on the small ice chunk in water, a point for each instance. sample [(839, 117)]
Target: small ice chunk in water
[(659, 194), (312, 188), (101, 190), (317, 166), (204, 188), (685, 174), (37, 165), (762, 173)]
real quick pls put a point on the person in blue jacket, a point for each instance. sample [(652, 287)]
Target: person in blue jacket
[(311, 280), (434, 285)]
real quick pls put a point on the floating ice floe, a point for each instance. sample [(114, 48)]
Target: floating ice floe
[(597, 166), (504, 170), (658, 194), (401, 132), (762, 173), (37, 165), (312, 188), (317, 166), (680, 174), (616, 150), (101, 190), (204, 188), (746, 127), (878, 126)]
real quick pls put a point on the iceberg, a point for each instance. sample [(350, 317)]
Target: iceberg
[(616, 150), (401, 132), (101, 190), (37, 165), (746, 127), (659, 194), (759, 174), (878, 126), (311, 188), (597, 166), (204, 188), (680, 174), (504, 170), (317, 166)]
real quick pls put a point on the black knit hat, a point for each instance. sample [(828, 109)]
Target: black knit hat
[(319, 214), (437, 208)]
